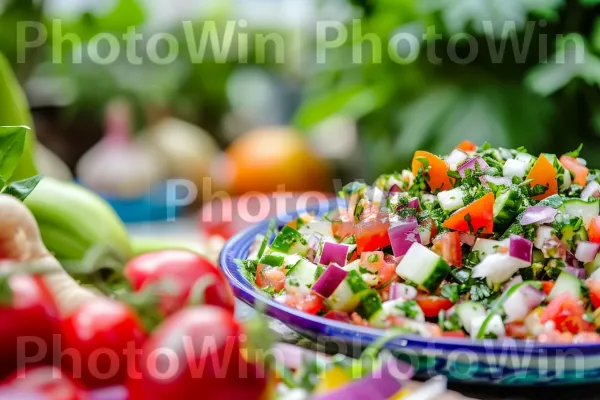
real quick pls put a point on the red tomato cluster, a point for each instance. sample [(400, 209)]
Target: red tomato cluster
[(198, 347)]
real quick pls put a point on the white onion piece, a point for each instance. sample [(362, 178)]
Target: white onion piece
[(521, 302), (586, 251), (401, 291), (591, 190), (498, 268), (542, 234)]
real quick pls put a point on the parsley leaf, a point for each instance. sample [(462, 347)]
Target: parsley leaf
[(575, 153), (451, 292)]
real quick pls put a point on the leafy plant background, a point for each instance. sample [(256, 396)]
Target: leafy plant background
[(538, 103)]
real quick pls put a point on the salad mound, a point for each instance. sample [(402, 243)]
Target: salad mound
[(483, 242)]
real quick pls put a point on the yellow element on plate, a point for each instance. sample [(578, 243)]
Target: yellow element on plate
[(402, 394), (332, 379)]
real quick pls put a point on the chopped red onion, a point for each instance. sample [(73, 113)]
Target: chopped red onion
[(414, 203), (334, 253), (330, 280), (520, 248), (513, 281), (586, 251), (591, 190), (380, 385), (401, 291), (576, 272), (521, 302), (403, 235), (467, 238), (470, 164), (539, 215), (395, 189), (571, 260)]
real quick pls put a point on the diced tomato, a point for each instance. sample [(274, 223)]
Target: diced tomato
[(454, 334), (543, 173), (432, 305), (309, 303), (586, 337), (594, 287), (372, 260), (449, 248), (555, 336), (567, 314), (358, 320), (516, 330), (269, 276), (338, 316), (547, 286), (387, 272), (479, 215), (428, 231), (594, 230), (438, 179), (343, 224), (580, 171), (372, 230), (467, 145)]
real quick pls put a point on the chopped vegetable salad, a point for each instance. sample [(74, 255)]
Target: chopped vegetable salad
[(483, 242)]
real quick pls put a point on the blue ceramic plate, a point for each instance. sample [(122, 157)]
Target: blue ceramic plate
[(506, 362)]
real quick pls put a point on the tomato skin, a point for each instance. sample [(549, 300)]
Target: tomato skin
[(270, 276), (516, 330), (338, 316), (454, 334), (467, 145), (594, 287), (432, 305), (481, 212), (372, 231), (580, 171), (309, 303), (387, 273), (567, 314), (49, 381), (180, 270), (343, 224), (377, 262), (448, 246), (32, 313), (547, 287), (594, 230), (205, 357), (98, 331)]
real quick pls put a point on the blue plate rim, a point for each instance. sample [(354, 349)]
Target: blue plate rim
[(245, 291)]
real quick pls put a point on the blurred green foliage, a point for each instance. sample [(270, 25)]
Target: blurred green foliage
[(545, 100)]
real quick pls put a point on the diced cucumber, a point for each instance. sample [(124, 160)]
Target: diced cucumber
[(451, 200), (592, 266), (304, 273), (581, 208), (542, 234), (405, 308), (495, 326), (526, 158), (467, 311), (348, 294), (370, 306), (485, 247), (274, 259), (571, 229), (353, 266), (424, 267), (320, 227), (563, 176), (506, 208), (290, 241), (514, 167), (498, 268), (566, 283)]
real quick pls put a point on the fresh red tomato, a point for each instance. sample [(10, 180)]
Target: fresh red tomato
[(594, 230), (516, 330), (432, 305), (454, 334), (580, 171), (449, 248), (567, 314), (342, 224), (197, 352), (105, 334), (372, 230), (372, 260), (49, 381), (338, 316), (267, 276), (594, 287), (547, 286), (387, 272), (174, 273), (309, 303), (28, 320)]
